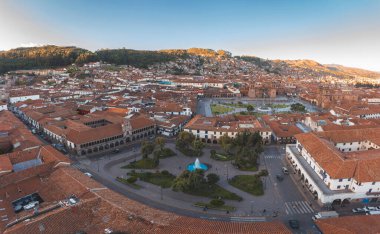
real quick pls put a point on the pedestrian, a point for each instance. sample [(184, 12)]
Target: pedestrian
[(264, 210)]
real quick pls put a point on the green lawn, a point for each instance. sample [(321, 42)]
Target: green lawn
[(210, 206), (165, 153), (278, 105), (248, 168), (214, 191), (222, 157), (248, 183), (238, 105), (124, 181), (164, 180), (217, 109), (145, 163)]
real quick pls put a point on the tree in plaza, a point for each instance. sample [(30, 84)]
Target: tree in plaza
[(189, 180), (212, 178), (147, 148), (250, 108), (160, 141), (297, 107), (249, 146), (226, 143), (184, 140), (198, 146)]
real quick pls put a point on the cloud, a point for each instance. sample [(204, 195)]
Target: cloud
[(31, 44)]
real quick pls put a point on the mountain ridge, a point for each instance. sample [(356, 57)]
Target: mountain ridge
[(51, 56)]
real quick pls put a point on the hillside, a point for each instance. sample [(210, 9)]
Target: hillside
[(42, 57), (195, 58)]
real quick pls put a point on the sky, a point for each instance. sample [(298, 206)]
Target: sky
[(345, 32)]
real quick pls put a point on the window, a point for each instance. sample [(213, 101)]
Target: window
[(344, 143), (340, 180), (338, 187), (373, 183), (349, 179), (351, 143)]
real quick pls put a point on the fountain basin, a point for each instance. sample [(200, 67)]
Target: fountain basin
[(197, 165)]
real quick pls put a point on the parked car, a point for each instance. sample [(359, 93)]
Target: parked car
[(370, 208), (88, 174), (325, 215), (279, 177), (31, 205), (116, 151), (285, 170), (358, 210), (373, 212), (293, 223)]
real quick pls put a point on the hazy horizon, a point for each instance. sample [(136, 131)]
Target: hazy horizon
[(329, 32)]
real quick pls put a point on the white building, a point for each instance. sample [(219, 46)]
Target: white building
[(338, 166), (210, 129), (23, 97), (3, 106)]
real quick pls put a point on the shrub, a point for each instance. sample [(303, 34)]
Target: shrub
[(217, 202), (263, 172), (132, 179), (212, 178), (165, 172), (213, 152)]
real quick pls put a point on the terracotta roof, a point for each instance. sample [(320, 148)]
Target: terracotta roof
[(5, 164), (140, 121), (94, 134), (369, 224), (351, 135), (102, 208), (364, 166)]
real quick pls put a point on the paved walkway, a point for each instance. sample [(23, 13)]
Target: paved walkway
[(251, 205)]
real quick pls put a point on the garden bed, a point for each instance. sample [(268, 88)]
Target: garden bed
[(248, 183), (163, 179), (125, 181), (214, 191), (145, 163)]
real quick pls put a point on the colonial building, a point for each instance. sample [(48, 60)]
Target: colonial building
[(210, 129), (338, 166)]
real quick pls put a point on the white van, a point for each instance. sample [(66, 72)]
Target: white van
[(373, 212)]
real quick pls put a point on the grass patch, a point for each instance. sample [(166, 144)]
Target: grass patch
[(248, 183), (163, 179), (214, 191), (278, 105), (210, 206), (221, 157), (125, 181), (145, 163), (217, 109), (165, 153), (248, 168), (238, 105)]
